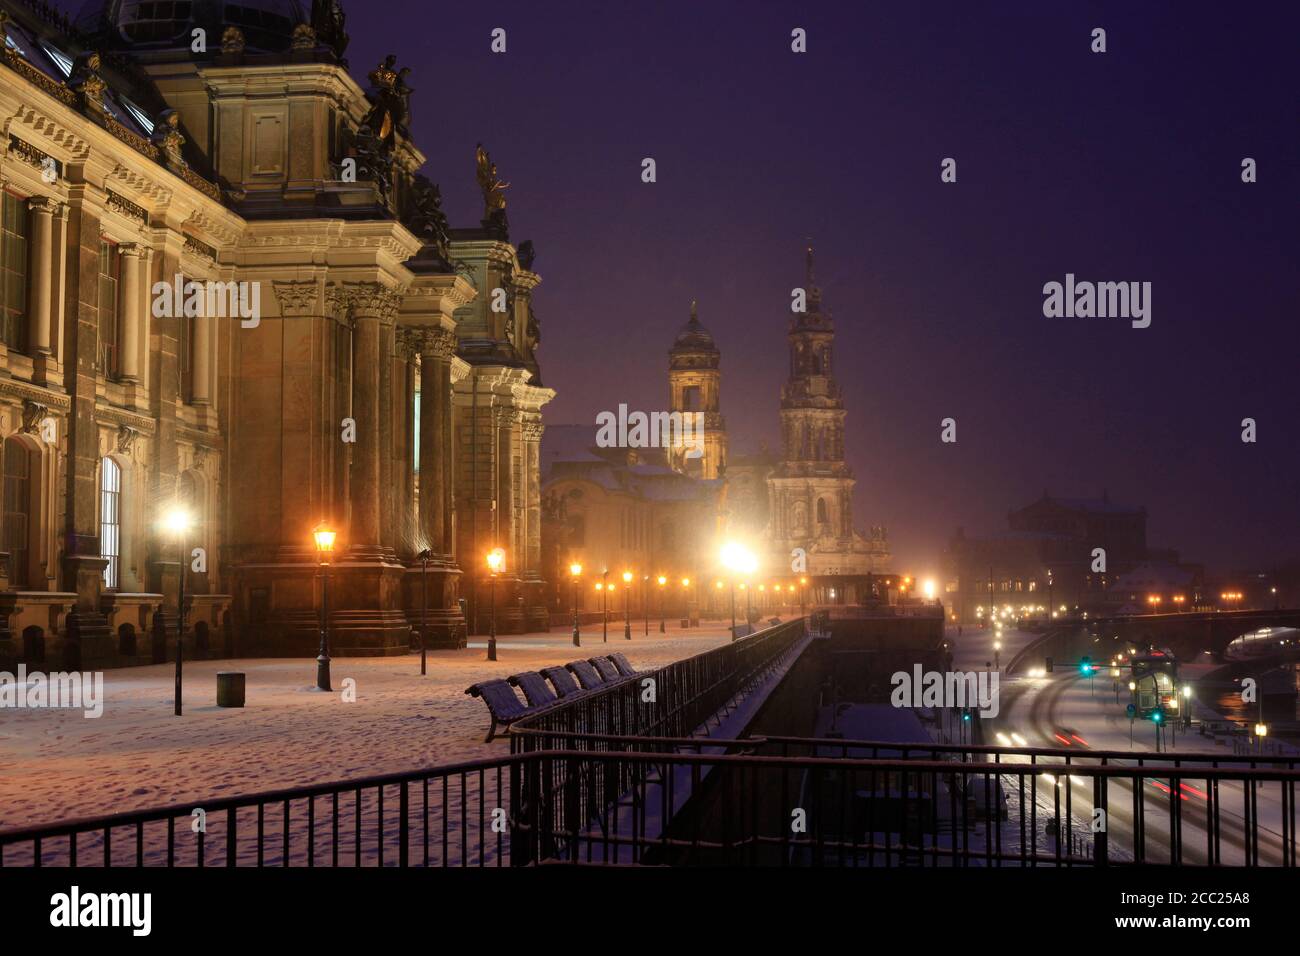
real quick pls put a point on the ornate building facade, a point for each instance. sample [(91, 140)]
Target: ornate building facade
[(342, 355), (811, 490)]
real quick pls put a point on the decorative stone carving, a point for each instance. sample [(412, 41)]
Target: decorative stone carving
[(371, 297), (494, 196), (304, 37), (232, 40), (201, 453), (167, 136), (425, 216), (437, 344), (533, 428), (86, 82), (34, 413), (126, 436), (296, 298)]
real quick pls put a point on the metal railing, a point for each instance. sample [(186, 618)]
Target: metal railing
[(679, 801), (686, 694)]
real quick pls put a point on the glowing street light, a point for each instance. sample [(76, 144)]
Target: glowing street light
[(575, 572), (177, 523), (324, 537), (496, 561), (738, 560)]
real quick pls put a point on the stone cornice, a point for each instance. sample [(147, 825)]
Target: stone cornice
[(53, 400), (112, 415)]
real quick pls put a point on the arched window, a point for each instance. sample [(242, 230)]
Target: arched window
[(110, 520), (17, 510)]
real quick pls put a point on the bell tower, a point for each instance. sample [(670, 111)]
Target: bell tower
[(694, 391)]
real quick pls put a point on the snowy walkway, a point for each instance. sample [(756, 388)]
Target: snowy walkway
[(58, 764)]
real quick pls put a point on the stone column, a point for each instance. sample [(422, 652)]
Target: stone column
[(532, 430), (387, 499), (404, 367), (129, 309), (437, 346), (42, 274), (505, 489), (373, 309)]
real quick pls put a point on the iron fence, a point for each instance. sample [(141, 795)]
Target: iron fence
[(693, 801)]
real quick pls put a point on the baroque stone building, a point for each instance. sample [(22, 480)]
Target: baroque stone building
[(335, 352), (666, 514), (811, 490)]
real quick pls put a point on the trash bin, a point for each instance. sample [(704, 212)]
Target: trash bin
[(230, 688)]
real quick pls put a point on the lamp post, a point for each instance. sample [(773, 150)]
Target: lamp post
[(575, 572), (496, 560), (662, 621), (604, 605), (424, 609), (686, 592), (324, 537), (178, 521), (645, 601), (803, 583), (627, 605)]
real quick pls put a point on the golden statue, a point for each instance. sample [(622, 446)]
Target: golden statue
[(494, 197)]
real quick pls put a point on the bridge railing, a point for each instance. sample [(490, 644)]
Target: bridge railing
[(680, 698), (687, 807)]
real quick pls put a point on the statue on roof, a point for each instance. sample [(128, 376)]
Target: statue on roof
[(493, 188)]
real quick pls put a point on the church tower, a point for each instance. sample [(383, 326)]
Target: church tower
[(694, 391), (811, 490)]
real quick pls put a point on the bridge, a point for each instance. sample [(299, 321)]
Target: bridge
[(1190, 634)]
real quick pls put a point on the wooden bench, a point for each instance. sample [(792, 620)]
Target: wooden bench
[(535, 688), (502, 703)]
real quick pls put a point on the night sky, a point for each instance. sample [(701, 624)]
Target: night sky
[(1123, 166)]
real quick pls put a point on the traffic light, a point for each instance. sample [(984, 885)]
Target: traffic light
[(1157, 715), (1048, 667), (1085, 666)]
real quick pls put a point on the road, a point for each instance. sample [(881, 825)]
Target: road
[(1064, 710)]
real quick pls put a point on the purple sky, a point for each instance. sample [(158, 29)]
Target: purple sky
[(1122, 166)]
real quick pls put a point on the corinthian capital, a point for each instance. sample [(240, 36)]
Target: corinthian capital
[(373, 299)]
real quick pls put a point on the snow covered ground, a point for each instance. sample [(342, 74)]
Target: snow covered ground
[(56, 764)]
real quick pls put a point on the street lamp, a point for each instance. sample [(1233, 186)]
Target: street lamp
[(645, 601), (662, 581), (424, 557), (802, 584), (627, 605), (178, 521), (575, 572), (997, 655), (686, 593), (1261, 731), (324, 536), (496, 560)]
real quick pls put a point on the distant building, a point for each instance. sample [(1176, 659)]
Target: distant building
[(1046, 557), (666, 510)]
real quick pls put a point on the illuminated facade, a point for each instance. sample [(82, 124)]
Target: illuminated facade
[(362, 376)]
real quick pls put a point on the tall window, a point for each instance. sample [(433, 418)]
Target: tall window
[(13, 272), (17, 509), (185, 345), (109, 274), (110, 520)]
